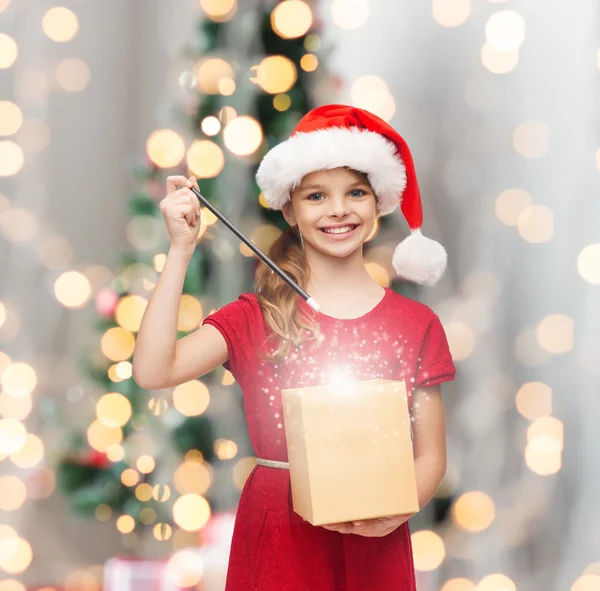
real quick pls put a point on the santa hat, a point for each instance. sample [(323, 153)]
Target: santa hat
[(333, 136)]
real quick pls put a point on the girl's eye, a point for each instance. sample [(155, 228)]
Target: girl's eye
[(313, 194), (357, 191)]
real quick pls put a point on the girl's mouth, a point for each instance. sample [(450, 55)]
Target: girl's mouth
[(341, 235)]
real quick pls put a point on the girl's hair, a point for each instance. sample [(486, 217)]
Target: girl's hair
[(278, 301)]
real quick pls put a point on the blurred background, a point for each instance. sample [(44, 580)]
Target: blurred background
[(106, 485)]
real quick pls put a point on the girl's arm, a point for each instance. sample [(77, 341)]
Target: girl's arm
[(429, 441), (155, 342)]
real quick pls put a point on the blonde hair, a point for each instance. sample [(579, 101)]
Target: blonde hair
[(278, 301)]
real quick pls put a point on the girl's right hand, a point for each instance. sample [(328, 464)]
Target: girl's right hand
[(181, 211)]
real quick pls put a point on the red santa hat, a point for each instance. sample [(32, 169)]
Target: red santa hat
[(333, 136)]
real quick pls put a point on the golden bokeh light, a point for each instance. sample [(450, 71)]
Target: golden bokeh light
[(101, 437), (117, 344), (534, 400), (505, 30), (147, 516), (291, 19), (158, 406), (192, 476), (282, 102), (19, 379), (190, 313), (210, 125), (162, 531), (191, 398), (543, 455), (461, 339), (227, 114), (275, 74), (16, 555), (555, 334), (125, 524), (145, 464), (372, 93), (531, 139), (243, 135), (510, 204), (428, 550), (60, 24), (184, 569), (11, 118), (15, 407), (165, 148), (13, 493), (30, 454), (474, 511), (536, 224), (129, 477), (115, 452), (312, 42), (72, 289), (588, 263), (129, 312), (12, 585), (19, 225), (225, 449), (143, 492), (11, 154), (113, 409), (219, 11), (459, 584), (350, 14), (13, 436), (242, 470), (8, 53), (499, 62), (73, 74), (210, 72), (546, 427), (161, 492), (451, 13), (226, 86), (309, 62), (191, 512), (587, 582), (496, 582), (205, 159)]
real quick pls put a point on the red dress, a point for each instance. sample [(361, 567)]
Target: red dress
[(273, 548)]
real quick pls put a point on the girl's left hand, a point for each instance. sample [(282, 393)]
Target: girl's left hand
[(370, 528)]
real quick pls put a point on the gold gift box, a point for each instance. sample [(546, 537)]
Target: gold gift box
[(350, 451)]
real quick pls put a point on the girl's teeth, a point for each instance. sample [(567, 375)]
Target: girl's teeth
[(348, 229)]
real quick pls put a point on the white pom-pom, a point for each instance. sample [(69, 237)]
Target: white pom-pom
[(420, 259)]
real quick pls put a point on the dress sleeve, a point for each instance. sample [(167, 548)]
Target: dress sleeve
[(235, 321), (435, 363)]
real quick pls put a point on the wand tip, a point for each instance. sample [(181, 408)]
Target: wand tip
[(313, 304)]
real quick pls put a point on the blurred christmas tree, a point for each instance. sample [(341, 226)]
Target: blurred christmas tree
[(126, 462)]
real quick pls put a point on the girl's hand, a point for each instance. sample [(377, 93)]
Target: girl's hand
[(370, 528), (181, 211)]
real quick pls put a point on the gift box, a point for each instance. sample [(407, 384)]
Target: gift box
[(350, 451)]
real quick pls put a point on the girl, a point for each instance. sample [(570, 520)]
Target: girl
[(340, 170)]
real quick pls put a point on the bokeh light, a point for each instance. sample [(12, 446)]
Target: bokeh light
[(11, 154), (117, 344), (191, 512), (191, 398), (474, 511), (73, 74), (291, 19), (510, 204), (8, 52), (11, 118), (451, 13), (219, 11), (243, 135), (13, 493), (428, 550), (165, 148), (505, 30), (350, 14), (535, 224), (101, 437), (499, 62), (19, 379), (184, 569), (113, 409), (588, 263), (531, 139), (534, 400), (60, 24), (211, 72), (373, 94), (275, 74)]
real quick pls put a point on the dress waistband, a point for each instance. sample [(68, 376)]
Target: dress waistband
[(273, 464)]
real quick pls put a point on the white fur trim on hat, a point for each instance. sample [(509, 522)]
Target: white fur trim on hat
[(420, 259), (284, 166)]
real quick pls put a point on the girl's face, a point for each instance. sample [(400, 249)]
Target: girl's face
[(330, 198)]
